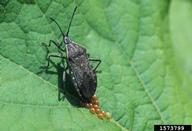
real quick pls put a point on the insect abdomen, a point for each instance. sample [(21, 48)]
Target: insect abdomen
[(84, 77)]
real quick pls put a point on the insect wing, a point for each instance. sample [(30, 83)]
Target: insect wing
[(81, 71), (84, 76)]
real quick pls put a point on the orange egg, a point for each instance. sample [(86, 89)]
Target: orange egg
[(104, 113), (90, 105), (87, 105), (100, 115), (96, 102), (94, 97), (97, 110), (92, 110), (108, 115), (95, 106)]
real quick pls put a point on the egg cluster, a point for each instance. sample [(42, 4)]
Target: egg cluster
[(94, 108)]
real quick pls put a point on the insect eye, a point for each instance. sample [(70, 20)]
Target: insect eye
[(67, 40)]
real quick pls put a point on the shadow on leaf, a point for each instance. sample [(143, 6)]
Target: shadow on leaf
[(67, 89)]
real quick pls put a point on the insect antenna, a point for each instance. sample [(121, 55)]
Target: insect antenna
[(71, 21), (64, 35), (58, 26)]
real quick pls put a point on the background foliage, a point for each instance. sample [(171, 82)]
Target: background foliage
[(145, 48)]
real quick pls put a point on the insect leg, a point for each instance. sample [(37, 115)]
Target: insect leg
[(64, 72), (62, 76), (61, 89), (97, 60), (51, 56), (55, 43)]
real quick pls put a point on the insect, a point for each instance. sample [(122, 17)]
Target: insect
[(82, 73)]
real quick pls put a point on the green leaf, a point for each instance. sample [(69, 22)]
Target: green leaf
[(146, 64), (181, 38)]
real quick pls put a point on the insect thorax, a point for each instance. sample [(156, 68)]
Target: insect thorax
[(74, 50)]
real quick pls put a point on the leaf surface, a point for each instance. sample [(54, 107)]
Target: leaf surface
[(143, 80)]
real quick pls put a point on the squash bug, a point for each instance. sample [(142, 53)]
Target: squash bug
[(82, 73)]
